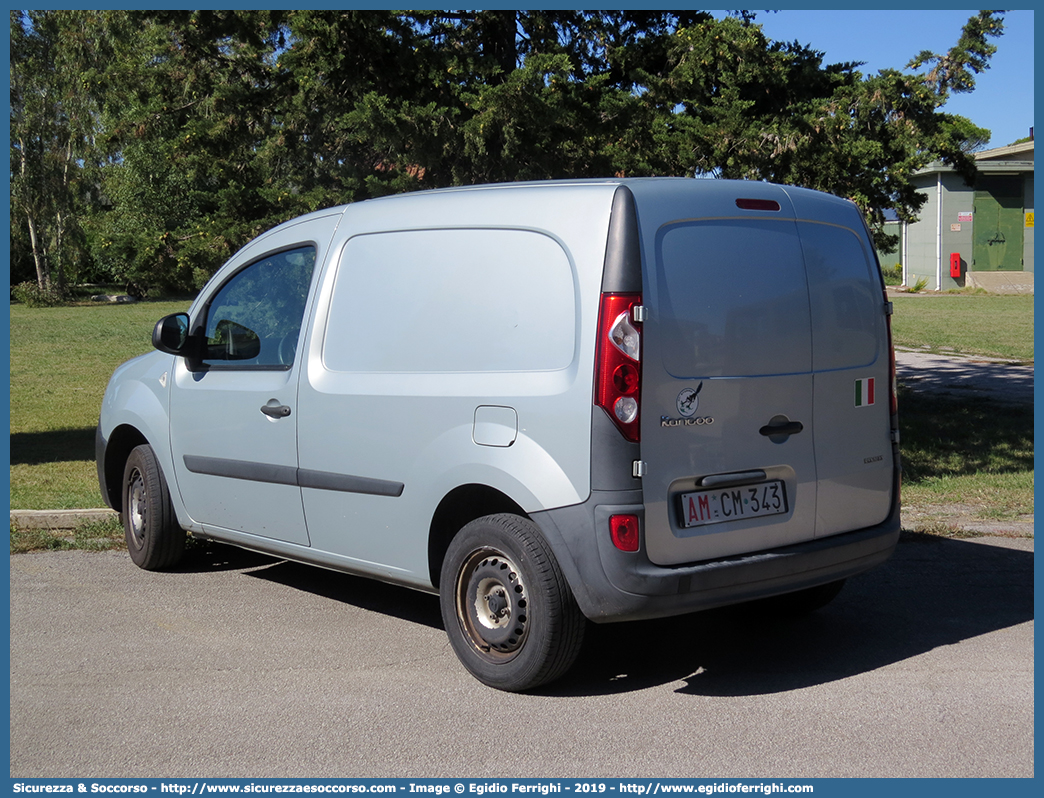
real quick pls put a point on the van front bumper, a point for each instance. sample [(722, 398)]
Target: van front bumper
[(611, 585)]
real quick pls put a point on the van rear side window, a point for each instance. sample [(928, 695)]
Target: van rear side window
[(430, 301), (846, 308)]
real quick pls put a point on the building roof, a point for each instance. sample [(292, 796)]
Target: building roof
[(1013, 152), (1015, 158)]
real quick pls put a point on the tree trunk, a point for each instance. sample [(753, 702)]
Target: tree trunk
[(43, 277)]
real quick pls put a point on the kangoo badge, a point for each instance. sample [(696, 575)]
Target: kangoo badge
[(689, 401)]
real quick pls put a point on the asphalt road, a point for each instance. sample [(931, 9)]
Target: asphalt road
[(965, 377), (243, 666)]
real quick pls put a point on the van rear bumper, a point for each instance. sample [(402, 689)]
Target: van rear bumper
[(611, 585)]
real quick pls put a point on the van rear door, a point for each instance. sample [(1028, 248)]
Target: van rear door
[(727, 385), (765, 370), (851, 365)]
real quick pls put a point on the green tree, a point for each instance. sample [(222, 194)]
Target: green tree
[(351, 106), (51, 129), (736, 105), (445, 98), (186, 103), (389, 101), (161, 141)]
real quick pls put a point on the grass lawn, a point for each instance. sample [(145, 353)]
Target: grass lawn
[(972, 324), (964, 462), (971, 457), (89, 536), (61, 360)]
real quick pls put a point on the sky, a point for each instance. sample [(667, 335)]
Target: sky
[(1003, 97)]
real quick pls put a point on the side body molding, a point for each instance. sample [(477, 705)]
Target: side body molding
[(288, 475)]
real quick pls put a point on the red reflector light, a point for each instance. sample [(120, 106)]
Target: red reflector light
[(624, 531), (757, 204), (625, 378)]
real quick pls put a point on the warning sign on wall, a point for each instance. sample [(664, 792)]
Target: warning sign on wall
[(965, 216), (1029, 219)]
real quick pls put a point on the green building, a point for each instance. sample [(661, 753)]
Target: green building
[(974, 235)]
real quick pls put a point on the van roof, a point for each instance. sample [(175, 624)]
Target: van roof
[(641, 184)]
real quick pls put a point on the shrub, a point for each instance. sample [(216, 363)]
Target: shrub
[(32, 295)]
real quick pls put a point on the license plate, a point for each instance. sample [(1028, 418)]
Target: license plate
[(734, 503)]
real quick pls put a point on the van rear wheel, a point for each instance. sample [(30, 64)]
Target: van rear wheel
[(509, 613), (154, 539)]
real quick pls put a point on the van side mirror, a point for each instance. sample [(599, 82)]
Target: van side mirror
[(171, 335)]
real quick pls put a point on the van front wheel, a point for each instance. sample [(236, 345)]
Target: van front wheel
[(154, 539), (509, 613)]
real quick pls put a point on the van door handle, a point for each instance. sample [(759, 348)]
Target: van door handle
[(727, 480), (789, 428), (275, 411)]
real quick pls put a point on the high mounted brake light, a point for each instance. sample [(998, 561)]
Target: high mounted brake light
[(618, 374), (757, 204)]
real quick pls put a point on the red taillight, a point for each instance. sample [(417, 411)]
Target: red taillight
[(618, 376), (624, 531)]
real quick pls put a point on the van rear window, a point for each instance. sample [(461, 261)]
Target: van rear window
[(734, 298), (472, 300)]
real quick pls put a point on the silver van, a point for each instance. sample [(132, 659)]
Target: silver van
[(548, 403)]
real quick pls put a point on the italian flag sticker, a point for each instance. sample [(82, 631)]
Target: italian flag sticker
[(864, 392)]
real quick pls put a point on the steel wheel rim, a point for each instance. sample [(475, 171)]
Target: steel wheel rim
[(492, 605), (137, 510)]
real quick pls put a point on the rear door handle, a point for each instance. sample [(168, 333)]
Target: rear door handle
[(275, 411), (789, 428)]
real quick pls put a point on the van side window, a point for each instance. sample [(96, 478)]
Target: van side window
[(254, 320)]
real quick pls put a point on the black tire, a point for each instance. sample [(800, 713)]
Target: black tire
[(154, 539), (509, 613)]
